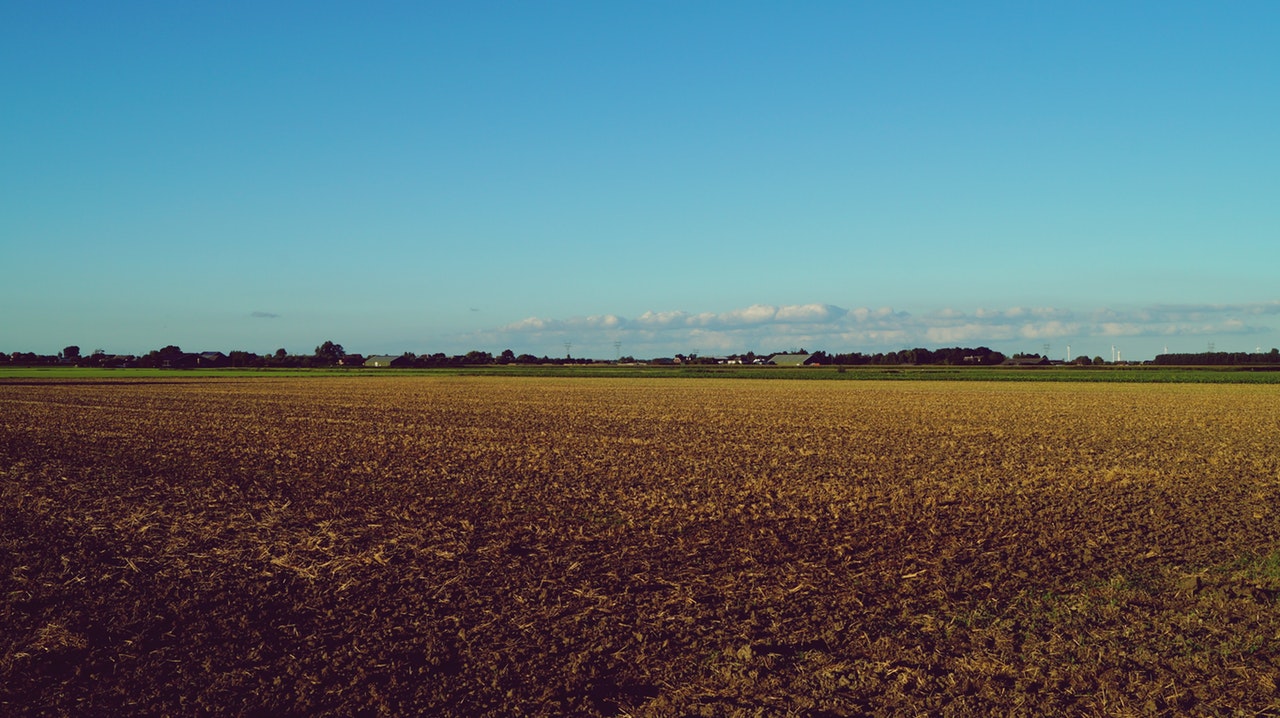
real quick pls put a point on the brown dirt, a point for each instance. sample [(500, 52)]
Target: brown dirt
[(497, 546)]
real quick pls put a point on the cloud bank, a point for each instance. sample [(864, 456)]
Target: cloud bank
[(767, 328)]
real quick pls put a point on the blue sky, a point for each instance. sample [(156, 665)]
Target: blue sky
[(679, 177)]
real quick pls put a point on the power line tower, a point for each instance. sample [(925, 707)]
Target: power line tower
[(617, 350), (568, 350)]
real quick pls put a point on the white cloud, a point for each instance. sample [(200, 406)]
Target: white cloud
[(764, 327), (811, 313), (527, 324), (1049, 330), (753, 314), (966, 333), (863, 314), (1118, 329), (605, 321), (661, 318)]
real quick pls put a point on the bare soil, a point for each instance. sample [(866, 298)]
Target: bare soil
[(650, 547)]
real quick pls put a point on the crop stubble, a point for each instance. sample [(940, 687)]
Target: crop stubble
[(482, 545)]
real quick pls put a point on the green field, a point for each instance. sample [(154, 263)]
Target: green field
[(1124, 374)]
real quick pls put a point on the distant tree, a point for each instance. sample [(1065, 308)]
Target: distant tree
[(1098, 361), (852, 358), (1082, 360), (282, 358), (506, 357), (98, 358), (328, 353), (238, 358), (478, 357), (431, 360), (170, 357), (71, 354)]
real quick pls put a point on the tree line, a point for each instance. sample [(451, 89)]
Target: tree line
[(330, 354), (1220, 358), (952, 356)]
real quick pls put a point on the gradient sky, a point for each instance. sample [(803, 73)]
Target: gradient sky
[(705, 177)]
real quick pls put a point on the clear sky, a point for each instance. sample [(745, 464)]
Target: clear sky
[(707, 177)]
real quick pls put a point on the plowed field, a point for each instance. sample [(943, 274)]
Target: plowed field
[(526, 546)]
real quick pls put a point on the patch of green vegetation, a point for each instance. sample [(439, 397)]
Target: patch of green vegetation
[(1110, 374), (94, 373), (1119, 374), (1262, 568)]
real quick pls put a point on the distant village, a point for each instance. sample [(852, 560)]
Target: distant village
[(330, 354)]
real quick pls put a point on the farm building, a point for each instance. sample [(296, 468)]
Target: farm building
[(385, 360), (212, 359), (1027, 361), (790, 359)]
